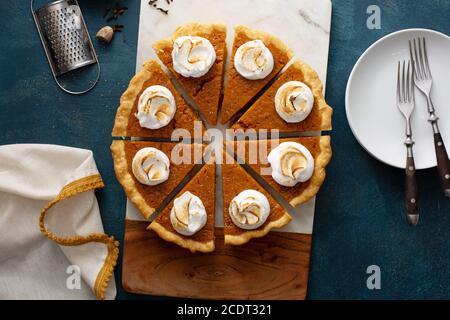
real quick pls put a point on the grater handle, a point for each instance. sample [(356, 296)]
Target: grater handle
[(78, 92), (51, 66)]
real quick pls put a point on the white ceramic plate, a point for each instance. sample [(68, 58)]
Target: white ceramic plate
[(371, 99)]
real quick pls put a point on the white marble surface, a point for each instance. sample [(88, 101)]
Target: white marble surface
[(304, 25)]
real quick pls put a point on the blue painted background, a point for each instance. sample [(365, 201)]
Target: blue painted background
[(359, 218)]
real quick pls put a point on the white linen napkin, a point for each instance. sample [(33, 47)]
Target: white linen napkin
[(52, 242)]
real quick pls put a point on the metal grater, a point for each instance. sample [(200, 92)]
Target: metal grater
[(65, 39)]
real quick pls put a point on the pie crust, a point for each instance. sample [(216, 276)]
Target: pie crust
[(126, 123), (203, 186), (206, 90), (239, 91), (262, 114), (235, 180), (148, 198), (320, 149)]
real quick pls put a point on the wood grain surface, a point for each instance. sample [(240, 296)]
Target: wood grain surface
[(273, 267)]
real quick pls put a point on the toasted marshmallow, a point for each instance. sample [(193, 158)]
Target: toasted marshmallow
[(294, 101), (151, 166), (156, 107), (291, 163), (193, 56), (253, 60), (188, 214), (249, 209)]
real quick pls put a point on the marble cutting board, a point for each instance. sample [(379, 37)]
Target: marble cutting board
[(304, 25)]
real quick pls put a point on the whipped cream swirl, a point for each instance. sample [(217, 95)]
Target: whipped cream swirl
[(294, 101), (156, 107), (193, 56), (150, 166), (291, 163), (249, 209), (253, 60), (188, 214)]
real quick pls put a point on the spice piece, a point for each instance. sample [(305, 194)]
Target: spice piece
[(117, 28), (105, 34), (166, 12), (116, 12), (154, 4)]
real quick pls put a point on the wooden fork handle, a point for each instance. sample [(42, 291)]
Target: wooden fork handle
[(443, 163), (411, 194)]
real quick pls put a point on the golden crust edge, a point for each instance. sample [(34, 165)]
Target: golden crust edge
[(191, 245), (193, 28), (125, 179), (248, 235), (197, 28), (316, 86), (319, 173), (265, 37), (128, 97)]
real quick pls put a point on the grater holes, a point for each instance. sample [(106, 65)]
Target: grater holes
[(68, 43)]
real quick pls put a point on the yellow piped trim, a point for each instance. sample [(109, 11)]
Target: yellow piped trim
[(78, 186)]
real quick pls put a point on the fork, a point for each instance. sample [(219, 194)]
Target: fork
[(405, 103), (424, 82)]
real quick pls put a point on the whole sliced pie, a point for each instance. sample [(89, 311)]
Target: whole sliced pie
[(249, 211), (151, 107), (147, 170), (256, 58), (293, 103), (196, 54), (294, 167), (171, 178), (189, 219)]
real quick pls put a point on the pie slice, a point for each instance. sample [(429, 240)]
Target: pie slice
[(127, 124), (239, 90), (202, 185), (235, 180), (318, 146), (205, 90), (263, 115), (148, 198)]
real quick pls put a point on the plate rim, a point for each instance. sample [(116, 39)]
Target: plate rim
[(350, 80)]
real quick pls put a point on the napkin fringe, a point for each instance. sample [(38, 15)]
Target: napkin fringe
[(78, 186)]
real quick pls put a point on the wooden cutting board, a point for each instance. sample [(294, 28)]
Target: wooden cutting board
[(273, 267)]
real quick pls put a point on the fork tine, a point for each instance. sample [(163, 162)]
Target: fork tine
[(408, 83), (413, 98), (398, 82), (418, 62), (412, 55), (426, 57), (422, 59), (422, 66), (404, 82)]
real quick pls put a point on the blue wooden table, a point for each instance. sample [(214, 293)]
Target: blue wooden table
[(359, 217)]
